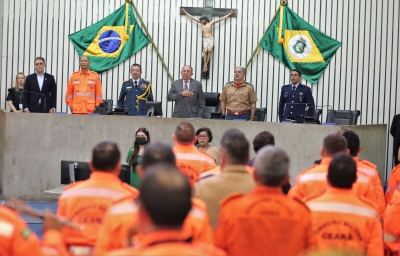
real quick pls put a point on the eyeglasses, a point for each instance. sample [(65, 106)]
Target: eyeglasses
[(203, 136)]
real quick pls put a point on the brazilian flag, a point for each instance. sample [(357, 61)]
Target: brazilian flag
[(111, 40), (298, 45)]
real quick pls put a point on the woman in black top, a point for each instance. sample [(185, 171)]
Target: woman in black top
[(14, 96)]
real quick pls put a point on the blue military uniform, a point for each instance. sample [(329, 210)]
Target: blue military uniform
[(133, 99), (295, 102)]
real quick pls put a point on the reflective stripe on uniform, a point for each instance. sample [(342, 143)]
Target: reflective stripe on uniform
[(389, 238), (196, 213), (341, 208), (362, 179), (68, 96), (195, 157), (81, 250), (124, 208), (313, 176), (84, 94), (366, 171), (98, 97), (6, 228), (92, 192)]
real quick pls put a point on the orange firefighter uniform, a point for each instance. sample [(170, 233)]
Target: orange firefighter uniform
[(84, 92), (169, 242), (85, 203), (121, 221), (260, 222), (17, 239), (394, 181), (314, 182), (346, 222), (391, 224), (192, 162)]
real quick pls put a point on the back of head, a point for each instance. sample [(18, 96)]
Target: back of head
[(156, 153), (353, 142), (236, 146), (165, 195), (342, 172), (263, 139), (184, 133), (334, 144), (105, 156), (271, 166)]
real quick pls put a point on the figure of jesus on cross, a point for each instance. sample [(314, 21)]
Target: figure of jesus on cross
[(208, 39)]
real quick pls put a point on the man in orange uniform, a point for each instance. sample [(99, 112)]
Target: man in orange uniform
[(234, 154), (189, 160), (17, 239), (393, 183), (367, 168), (86, 202), (259, 223), (84, 91), (312, 182), (163, 205), (391, 224), (342, 220), (122, 216)]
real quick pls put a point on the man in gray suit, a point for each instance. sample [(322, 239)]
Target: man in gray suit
[(188, 95)]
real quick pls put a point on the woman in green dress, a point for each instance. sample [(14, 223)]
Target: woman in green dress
[(135, 153)]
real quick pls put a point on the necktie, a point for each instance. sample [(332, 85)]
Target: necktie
[(135, 84), (293, 88), (186, 85)]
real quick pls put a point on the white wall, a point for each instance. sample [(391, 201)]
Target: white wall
[(363, 74)]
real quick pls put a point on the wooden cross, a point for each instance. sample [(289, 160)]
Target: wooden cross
[(210, 12)]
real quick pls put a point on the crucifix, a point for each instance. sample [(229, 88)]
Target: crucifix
[(206, 13)]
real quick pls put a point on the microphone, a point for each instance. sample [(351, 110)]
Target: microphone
[(40, 94)]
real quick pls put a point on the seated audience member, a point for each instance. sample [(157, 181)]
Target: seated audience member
[(391, 224), (162, 207), (204, 137), (312, 182), (122, 217), (142, 139), (86, 202), (234, 154), (15, 94), (393, 183), (260, 222), (342, 220), (367, 168), (189, 160)]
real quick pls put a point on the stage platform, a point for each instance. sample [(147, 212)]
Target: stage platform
[(33, 145)]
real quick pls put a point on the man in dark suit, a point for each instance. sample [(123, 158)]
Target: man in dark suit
[(40, 83), (188, 95), (295, 96), (395, 132)]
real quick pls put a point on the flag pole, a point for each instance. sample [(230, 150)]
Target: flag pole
[(258, 45), (151, 40)]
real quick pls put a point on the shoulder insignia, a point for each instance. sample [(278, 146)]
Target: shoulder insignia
[(368, 163), (94, 72), (286, 85), (302, 203), (249, 84), (127, 80), (230, 82), (146, 80), (230, 197), (26, 233)]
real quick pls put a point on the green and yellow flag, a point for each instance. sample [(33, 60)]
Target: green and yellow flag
[(111, 40), (298, 45)]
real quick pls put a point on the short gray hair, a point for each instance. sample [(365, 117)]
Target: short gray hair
[(187, 66), (271, 165), (242, 68)]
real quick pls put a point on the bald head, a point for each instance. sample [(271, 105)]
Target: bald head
[(156, 153), (271, 166), (334, 144), (165, 195), (184, 133)]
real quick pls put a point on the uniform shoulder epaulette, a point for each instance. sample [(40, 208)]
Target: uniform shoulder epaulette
[(94, 72), (130, 188), (230, 197), (302, 203), (249, 84), (286, 85), (127, 80), (368, 163), (230, 82), (369, 203), (76, 72), (146, 80)]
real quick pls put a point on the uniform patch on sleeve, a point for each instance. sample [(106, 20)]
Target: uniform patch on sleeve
[(26, 233)]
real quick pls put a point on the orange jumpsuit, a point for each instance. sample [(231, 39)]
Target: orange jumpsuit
[(169, 242), (264, 222), (122, 216), (84, 92), (17, 239), (192, 162), (86, 202), (391, 224), (313, 183), (394, 181), (346, 222)]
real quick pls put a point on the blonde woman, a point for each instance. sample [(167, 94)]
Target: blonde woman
[(15, 94)]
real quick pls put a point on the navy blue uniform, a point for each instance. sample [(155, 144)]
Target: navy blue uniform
[(128, 98), (296, 102)]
